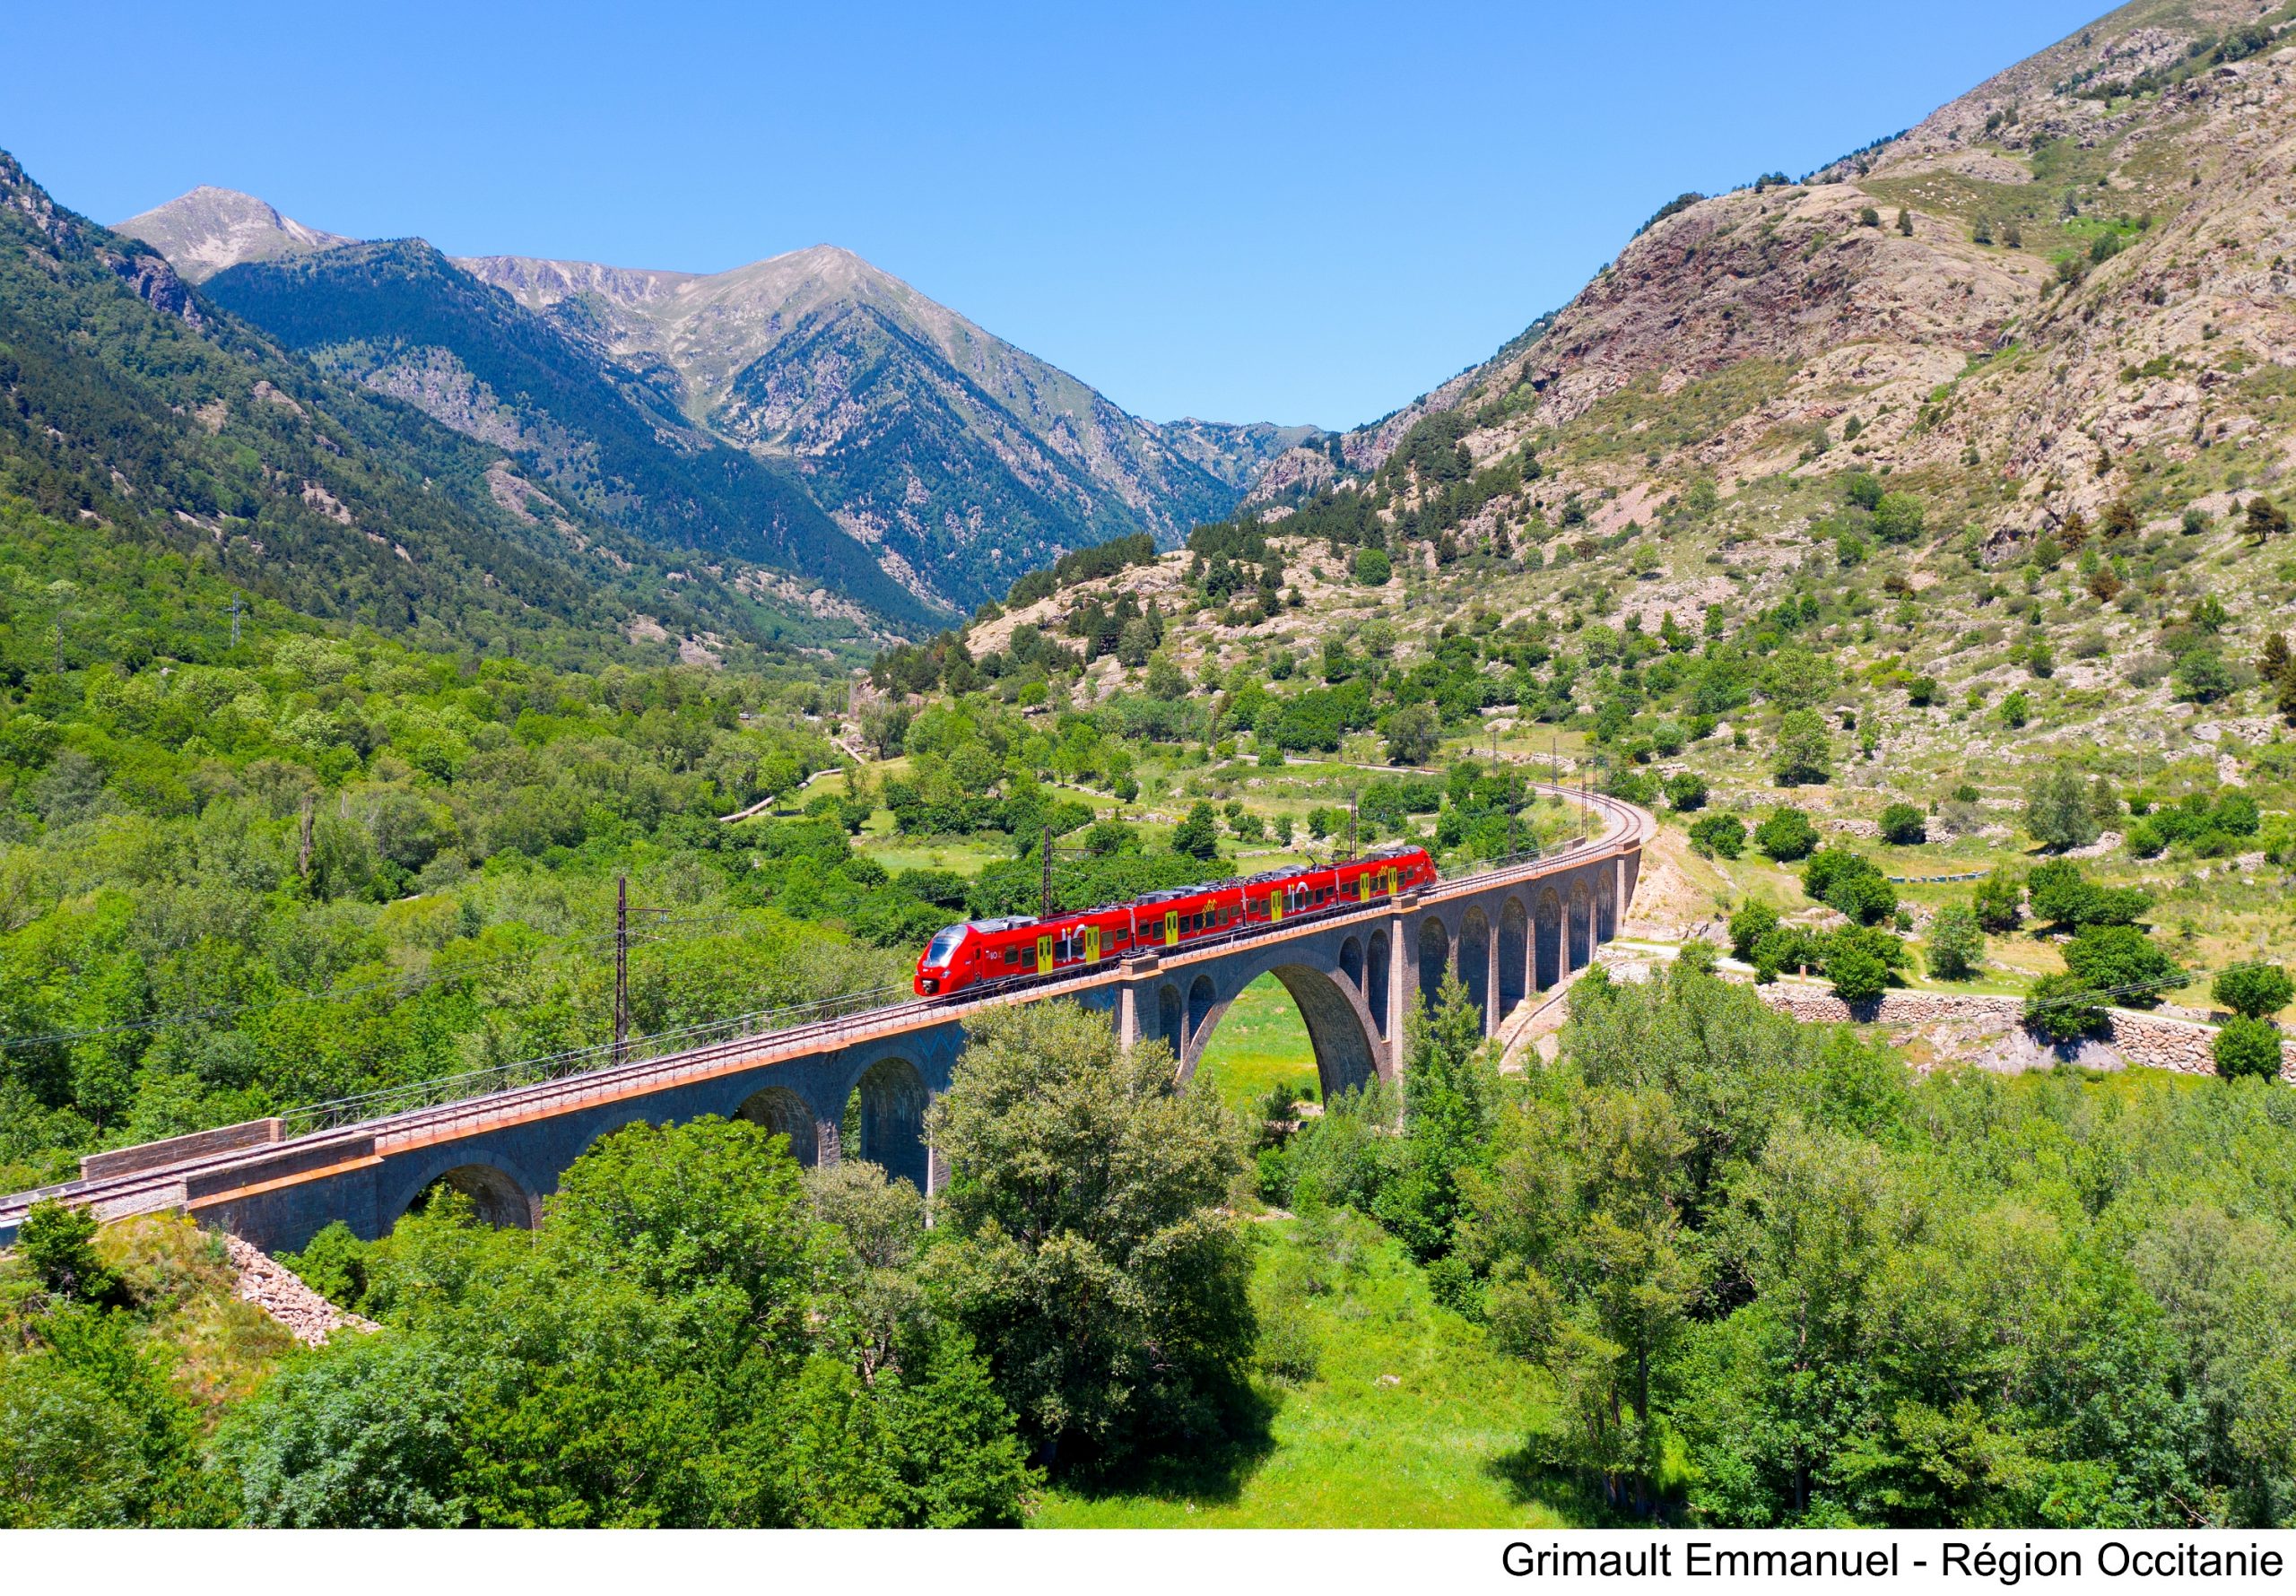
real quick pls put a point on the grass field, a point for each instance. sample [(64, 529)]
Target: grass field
[(1440, 1446), (1261, 1044)]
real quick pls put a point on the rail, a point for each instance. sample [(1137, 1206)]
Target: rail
[(444, 1100)]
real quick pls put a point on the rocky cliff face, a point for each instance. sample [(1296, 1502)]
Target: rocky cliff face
[(2059, 291)]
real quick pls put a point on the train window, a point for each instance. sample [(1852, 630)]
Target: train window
[(1012, 955)]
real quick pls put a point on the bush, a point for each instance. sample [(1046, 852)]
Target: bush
[(1858, 976), (2246, 1045), (1686, 791), (1956, 944), (2058, 813), (1198, 836), (2064, 1009), (2253, 990), (2062, 896), (1722, 837), (1904, 825), (1786, 836), (58, 1240), (1898, 517), (1753, 921), (1849, 883), (1373, 568), (1998, 901), (1805, 748), (2113, 957)]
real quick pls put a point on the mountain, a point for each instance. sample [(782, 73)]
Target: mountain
[(401, 319), (209, 230), (959, 461), (135, 404), (966, 461), (2066, 288)]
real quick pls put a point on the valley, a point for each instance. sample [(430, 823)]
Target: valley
[(387, 637)]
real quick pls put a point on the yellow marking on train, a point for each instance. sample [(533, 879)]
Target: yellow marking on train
[(1044, 955)]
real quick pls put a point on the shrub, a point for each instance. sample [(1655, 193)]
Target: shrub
[(2058, 813), (1753, 921), (1898, 517), (2114, 958), (1198, 836), (2246, 1045), (1857, 973), (2063, 1009), (2253, 990), (1686, 790), (58, 1240), (1722, 837), (2062, 896), (1956, 944), (1373, 568), (1786, 836), (1904, 824)]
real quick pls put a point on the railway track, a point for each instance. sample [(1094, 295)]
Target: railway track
[(357, 1135)]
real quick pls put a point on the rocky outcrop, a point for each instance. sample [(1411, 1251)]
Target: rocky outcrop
[(279, 1292)]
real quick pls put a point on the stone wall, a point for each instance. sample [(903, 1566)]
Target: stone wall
[(2155, 1041)]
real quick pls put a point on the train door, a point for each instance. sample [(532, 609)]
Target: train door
[(1171, 928), (1044, 954)]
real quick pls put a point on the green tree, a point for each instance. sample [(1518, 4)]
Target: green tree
[(1956, 944), (2254, 991), (1899, 517), (1751, 921), (1998, 901), (1373, 568), (2057, 812), (2114, 959), (1720, 836), (1198, 836), (1857, 973), (1084, 1240), (1450, 1097), (58, 1240), (2063, 1008), (1413, 733), (2246, 1045), (1905, 825), (1805, 748), (1787, 834)]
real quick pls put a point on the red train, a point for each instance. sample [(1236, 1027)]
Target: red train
[(961, 956)]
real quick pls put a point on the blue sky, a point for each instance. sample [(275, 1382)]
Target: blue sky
[(1287, 212)]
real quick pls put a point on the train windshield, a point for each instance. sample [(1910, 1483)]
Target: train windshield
[(945, 944)]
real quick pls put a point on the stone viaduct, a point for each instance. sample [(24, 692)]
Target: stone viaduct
[(1510, 932)]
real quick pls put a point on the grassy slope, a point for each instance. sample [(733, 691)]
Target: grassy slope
[(1440, 1448)]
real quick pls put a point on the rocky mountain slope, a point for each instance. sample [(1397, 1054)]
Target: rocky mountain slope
[(401, 319), (960, 460), (1953, 470), (2068, 288), (134, 404), (210, 228)]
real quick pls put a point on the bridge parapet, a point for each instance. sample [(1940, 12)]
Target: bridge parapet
[(1512, 931)]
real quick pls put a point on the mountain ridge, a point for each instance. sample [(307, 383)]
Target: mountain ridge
[(1031, 461)]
